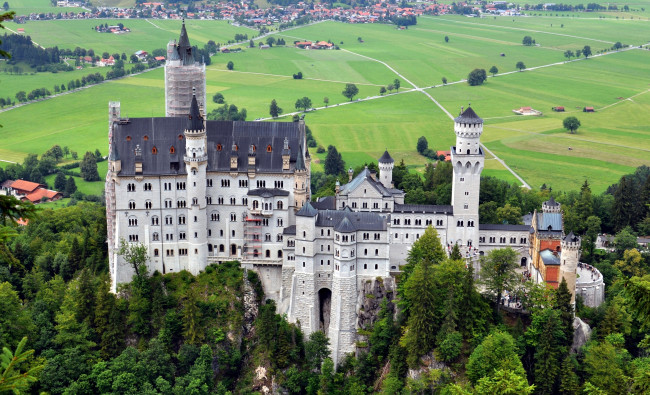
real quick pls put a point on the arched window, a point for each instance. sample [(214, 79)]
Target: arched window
[(268, 148), (279, 253), (172, 149), (219, 147), (254, 148), (280, 205), (128, 138), (145, 138), (154, 150)]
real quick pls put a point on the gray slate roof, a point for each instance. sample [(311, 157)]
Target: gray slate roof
[(163, 133), (325, 203), (268, 192), (505, 227), (357, 220), (307, 211), (289, 230), (551, 202), (468, 116), (549, 257), (366, 175), (571, 238), (423, 208), (549, 222), (385, 158)]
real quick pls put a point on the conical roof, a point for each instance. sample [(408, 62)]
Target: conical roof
[(385, 158), (571, 238), (345, 226), (184, 47), (195, 121), (300, 162), (307, 211), (468, 116), (551, 202)]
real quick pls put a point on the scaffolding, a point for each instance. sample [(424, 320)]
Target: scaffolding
[(180, 81), (252, 237)]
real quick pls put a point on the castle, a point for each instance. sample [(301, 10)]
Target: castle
[(196, 192)]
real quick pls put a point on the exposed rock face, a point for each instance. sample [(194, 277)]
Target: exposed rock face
[(581, 334), (251, 308), (372, 293), (429, 362)]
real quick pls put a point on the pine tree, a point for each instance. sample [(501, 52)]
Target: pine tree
[(569, 383), (86, 302), (455, 253), (59, 182), (70, 187), (334, 164), (419, 291), (88, 167), (562, 303), (274, 109), (548, 353)]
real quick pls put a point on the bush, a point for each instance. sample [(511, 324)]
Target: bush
[(320, 149)]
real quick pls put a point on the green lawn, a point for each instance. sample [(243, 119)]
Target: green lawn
[(145, 34), (26, 7), (87, 187), (13, 83), (611, 142)]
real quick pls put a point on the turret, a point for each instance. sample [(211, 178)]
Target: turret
[(286, 156), (182, 73), (196, 163), (300, 180), (551, 206), (386, 164), (570, 246), (467, 158), (350, 174)]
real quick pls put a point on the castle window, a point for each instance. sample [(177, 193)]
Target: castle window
[(208, 182), (133, 221), (233, 217), (365, 251), (522, 240), (466, 193), (376, 266), (365, 265), (208, 199), (279, 205), (481, 239), (155, 252), (154, 220), (214, 216), (133, 238), (376, 252), (219, 147), (466, 206), (128, 138), (145, 138), (172, 149), (147, 204), (130, 187), (268, 148), (180, 137), (502, 240), (181, 220), (195, 201), (493, 239), (132, 205), (181, 236), (513, 240), (279, 253)]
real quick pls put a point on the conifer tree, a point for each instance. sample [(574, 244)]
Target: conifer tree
[(59, 182), (562, 303), (419, 292), (455, 253), (569, 383), (549, 352)]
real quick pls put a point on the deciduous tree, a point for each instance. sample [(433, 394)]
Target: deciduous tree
[(350, 91), (571, 124)]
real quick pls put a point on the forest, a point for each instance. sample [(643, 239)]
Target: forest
[(215, 333)]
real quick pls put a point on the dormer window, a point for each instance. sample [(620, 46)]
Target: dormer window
[(180, 137), (154, 150), (268, 148), (172, 149), (145, 138), (128, 138), (219, 147)]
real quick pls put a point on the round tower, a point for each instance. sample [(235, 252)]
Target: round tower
[(196, 163), (467, 159), (183, 75), (570, 246), (551, 206), (386, 164)]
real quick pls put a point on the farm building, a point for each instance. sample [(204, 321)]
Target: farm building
[(558, 109), (527, 111)]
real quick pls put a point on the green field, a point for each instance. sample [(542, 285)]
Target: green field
[(26, 7), (611, 142), (145, 34)]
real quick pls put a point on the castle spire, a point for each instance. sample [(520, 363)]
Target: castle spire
[(300, 162), (195, 121), (184, 47)]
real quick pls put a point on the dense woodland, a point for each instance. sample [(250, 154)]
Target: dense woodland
[(215, 333)]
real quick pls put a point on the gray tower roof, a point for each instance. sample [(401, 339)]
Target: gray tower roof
[(300, 163), (184, 48), (468, 116), (345, 226), (385, 158), (307, 211), (195, 121), (551, 202), (571, 238)]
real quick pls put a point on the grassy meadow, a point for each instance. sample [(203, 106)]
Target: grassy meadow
[(26, 7), (611, 142), (145, 34)]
